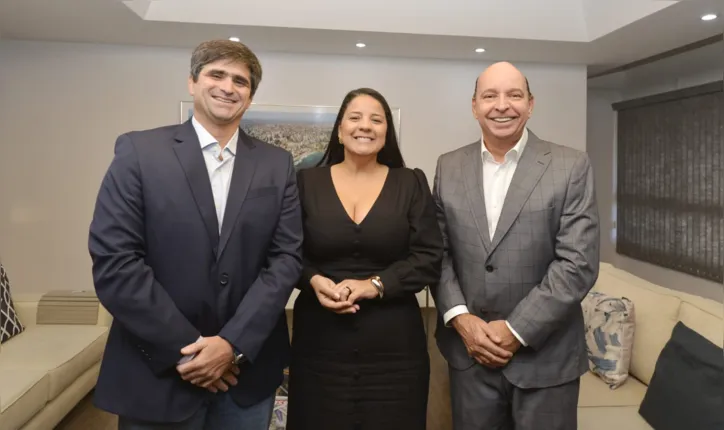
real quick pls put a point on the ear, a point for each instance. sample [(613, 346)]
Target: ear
[(249, 101), (475, 112), (191, 85), (531, 105)]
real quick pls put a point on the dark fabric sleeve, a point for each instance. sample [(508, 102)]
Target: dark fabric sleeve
[(259, 311), (125, 284), (423, 264), (308, 269)]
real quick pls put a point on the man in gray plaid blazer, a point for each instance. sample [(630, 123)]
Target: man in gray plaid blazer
[(520, 223)]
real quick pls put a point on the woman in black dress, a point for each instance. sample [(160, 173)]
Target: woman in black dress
[(371, 242)]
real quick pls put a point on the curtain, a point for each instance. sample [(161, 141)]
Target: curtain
[(670, 190)]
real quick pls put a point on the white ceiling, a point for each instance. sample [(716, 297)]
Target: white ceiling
[(706, 62), (601, 33)]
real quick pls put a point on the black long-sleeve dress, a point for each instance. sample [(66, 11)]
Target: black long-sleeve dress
[(368, 370)]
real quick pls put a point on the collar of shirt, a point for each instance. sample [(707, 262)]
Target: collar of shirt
[(513, 153), (206, 139)]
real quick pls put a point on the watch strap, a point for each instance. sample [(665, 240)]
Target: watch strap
[(377, 282)]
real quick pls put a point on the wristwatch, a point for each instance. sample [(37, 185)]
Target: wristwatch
[(239, 358), (377, 282)]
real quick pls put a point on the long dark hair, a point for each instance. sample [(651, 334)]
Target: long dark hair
[(389, 155)]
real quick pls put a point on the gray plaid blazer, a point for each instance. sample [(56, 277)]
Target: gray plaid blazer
[(535, 270)]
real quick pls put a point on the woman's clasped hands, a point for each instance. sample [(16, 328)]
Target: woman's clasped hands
[(342, 297)]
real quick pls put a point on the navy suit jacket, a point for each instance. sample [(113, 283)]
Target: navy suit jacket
[(167, 276)]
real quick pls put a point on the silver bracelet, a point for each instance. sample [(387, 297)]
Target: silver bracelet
[(377, 282)]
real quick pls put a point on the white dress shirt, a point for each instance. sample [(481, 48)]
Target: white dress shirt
[(496, 181), (220, 165)]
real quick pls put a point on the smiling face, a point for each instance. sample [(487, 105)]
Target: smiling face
[(502, 103), (222, 92), (363, 127)]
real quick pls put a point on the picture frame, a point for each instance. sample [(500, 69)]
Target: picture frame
[(303, 130)]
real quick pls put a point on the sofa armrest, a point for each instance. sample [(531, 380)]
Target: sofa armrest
[(104, 317), (26, 305)]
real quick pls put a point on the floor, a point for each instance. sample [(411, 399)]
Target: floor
[(85, 416)]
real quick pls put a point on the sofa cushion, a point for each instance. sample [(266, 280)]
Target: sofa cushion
[(703, 322), (656, 315), (611, 418), (23, 393), (64, 351), (687, 390), (609, 324), (596, 393), (709, 306), (10, 324)]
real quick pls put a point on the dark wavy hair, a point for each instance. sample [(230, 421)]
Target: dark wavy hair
[(389, 155)]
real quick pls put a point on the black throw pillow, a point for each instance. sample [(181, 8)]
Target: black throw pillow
[(687, 388), (10, 324)]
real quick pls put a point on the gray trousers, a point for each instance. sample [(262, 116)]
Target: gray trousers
[(483, 399)]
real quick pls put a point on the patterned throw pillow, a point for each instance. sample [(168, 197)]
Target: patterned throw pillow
[(610, 323), (9, 323)]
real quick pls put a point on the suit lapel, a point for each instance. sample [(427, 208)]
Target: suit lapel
[(472, 171), (188, 152), (241, 177), (531, 166)]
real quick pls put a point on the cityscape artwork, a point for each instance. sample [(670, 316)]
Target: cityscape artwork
[(304, 131)]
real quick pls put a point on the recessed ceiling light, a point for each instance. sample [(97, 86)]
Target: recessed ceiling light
[(479, 50), (708, 17), (234, 39), (360, 45)]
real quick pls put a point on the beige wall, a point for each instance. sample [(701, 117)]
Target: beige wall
[(601, 144), (62, 106), (601, 149)]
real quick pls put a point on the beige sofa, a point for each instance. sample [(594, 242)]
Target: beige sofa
[(657, 310), (46, 370)]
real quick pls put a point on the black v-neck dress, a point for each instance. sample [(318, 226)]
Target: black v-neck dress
[(368, 370)]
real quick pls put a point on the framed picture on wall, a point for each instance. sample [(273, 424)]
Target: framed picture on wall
[(304, 131)]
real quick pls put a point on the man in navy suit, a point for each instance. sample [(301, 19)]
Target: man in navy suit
[(196, 247)]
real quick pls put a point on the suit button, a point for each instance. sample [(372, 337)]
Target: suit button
[(489, 268), (224, 279)]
